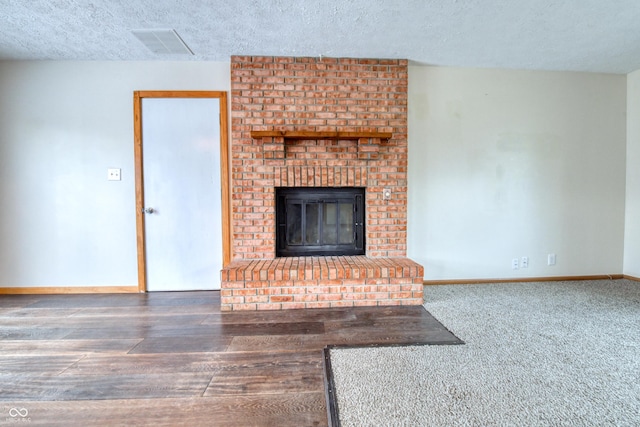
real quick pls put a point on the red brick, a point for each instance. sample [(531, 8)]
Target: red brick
[(353, 296), (244, 307), (400, 295), (294, 306), (365, 303), (257, 299), (279, 298), (244, 292), (318, 94), (270, 291), (269, 306), (318, 305), (305, 298), (377, 296), (342, 303), (330, 297)]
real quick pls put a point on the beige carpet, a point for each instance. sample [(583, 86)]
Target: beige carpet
[(536, 354)]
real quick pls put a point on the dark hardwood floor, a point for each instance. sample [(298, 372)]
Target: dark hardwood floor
[(168, 359)]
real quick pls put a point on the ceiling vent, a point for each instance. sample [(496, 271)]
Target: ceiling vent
[(162, 41)]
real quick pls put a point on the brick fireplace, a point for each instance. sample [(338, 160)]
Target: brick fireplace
[(318, 122)]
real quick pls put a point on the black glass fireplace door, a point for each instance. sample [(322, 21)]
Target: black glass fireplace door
[(319, 221)]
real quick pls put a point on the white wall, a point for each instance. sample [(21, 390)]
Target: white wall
[(502, 164), (62, 124), (632, 225), (505, 164)]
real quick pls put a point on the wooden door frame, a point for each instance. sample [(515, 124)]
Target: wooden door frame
[(138, 96)]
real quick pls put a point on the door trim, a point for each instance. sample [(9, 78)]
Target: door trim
[(139, 176)]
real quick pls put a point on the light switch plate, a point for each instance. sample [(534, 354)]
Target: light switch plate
[(113, 174)]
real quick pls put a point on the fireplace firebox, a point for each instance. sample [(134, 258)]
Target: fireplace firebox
[(323, 221)]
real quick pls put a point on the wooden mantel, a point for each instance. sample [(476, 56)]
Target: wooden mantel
[(256, 134)]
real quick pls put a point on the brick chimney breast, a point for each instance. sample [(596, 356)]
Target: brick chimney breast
[(318, 122)]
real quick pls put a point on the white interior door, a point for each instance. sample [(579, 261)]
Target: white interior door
[(182, 193)]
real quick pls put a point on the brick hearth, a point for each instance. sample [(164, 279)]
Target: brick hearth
[(318, 122), (321, 282)]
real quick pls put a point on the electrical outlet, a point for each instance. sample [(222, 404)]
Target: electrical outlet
[(113, 174), (514, 263), (551, 259), (524, 262)]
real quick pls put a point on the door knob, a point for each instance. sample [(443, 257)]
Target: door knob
[(148, 210)]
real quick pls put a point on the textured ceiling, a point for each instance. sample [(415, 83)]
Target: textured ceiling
[(578, 35)]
